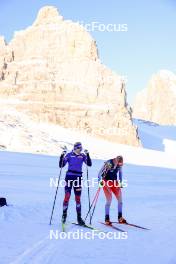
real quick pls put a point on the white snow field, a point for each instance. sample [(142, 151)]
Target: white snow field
[(149, 200)]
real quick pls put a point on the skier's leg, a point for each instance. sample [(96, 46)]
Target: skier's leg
[(68, 187), (78, 199), (108, 195), (118, 194), (77, 191)]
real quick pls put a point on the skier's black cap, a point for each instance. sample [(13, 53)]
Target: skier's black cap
[(120, 159)]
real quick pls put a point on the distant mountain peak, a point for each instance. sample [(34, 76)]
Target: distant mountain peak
[(156, 102), (47, 15)]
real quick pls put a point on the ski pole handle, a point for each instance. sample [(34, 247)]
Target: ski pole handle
[(86, 151)]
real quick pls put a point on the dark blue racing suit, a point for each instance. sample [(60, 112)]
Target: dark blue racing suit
[(73, 178)]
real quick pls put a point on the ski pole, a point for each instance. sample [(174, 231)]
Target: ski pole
[(94, 206), (92, 203), (88, 189), (56, 192)]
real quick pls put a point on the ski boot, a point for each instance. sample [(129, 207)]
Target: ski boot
[(107, 220), (121, 220), (80, 220)]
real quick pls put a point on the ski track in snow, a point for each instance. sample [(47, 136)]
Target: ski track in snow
[(30, 254), (47, 251)]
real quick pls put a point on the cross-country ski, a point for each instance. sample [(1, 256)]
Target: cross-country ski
[(133, 225)]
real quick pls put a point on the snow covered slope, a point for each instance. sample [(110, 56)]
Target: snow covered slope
[(157, 137), (149, 200), (19, 133)]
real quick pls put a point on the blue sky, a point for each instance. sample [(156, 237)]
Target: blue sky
[(148, 46)]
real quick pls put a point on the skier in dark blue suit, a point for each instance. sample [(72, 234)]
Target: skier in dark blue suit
[(73, 178)]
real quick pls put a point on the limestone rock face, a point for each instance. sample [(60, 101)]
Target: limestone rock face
[(51, 71), (156, 103), (48, 15)]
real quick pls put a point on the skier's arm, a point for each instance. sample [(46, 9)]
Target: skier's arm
[(100, 174), (104, 170), (87, 158), (63, 160), (120, 174), (89, 161)]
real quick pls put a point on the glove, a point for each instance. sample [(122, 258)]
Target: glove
[(86, 151), (64, 152), (101, 183), (120, 184)]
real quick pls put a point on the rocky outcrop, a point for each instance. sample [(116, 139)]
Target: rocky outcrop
[(157, 102), (51, 71)]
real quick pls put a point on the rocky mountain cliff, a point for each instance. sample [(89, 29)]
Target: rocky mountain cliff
[(51, 72), (156, 103)]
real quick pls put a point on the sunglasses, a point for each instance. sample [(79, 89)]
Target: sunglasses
[(78, 147)]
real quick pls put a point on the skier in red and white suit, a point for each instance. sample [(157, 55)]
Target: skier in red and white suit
[(108, 179)]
